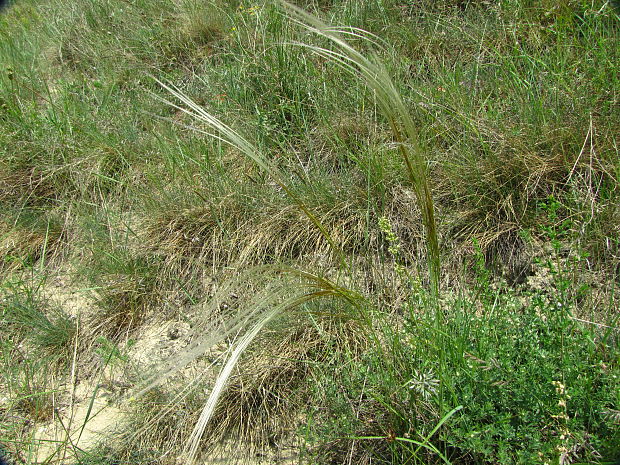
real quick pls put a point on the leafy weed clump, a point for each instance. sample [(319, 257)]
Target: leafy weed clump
[(535, 383)]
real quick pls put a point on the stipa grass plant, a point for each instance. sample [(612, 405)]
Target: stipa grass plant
[(423, 397), (265, 406), (376, 77), (273, 291), (229, 136), (275, 299)]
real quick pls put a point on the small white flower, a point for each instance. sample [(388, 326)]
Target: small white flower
[(424, 383)]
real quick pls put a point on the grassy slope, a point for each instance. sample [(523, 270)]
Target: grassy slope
[(516, 105)]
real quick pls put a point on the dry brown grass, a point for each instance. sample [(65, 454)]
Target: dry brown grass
[(229, 231), (25, 184), (26, 244), (262, 404)]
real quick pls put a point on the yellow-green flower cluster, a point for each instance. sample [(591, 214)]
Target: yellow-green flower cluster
[(394, 243), (564, 433), (251, 10)]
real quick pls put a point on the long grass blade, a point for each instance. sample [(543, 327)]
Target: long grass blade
[(192, 446), (269, 305), (393, 108), (228, 135)]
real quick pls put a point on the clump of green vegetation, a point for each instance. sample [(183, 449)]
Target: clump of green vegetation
[(36, 344), (401, 219), (536, 385), (26, 315)]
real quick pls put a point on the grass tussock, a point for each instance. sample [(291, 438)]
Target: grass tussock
[(36, 344), (26, 241), (268, 232), (262, 407)]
